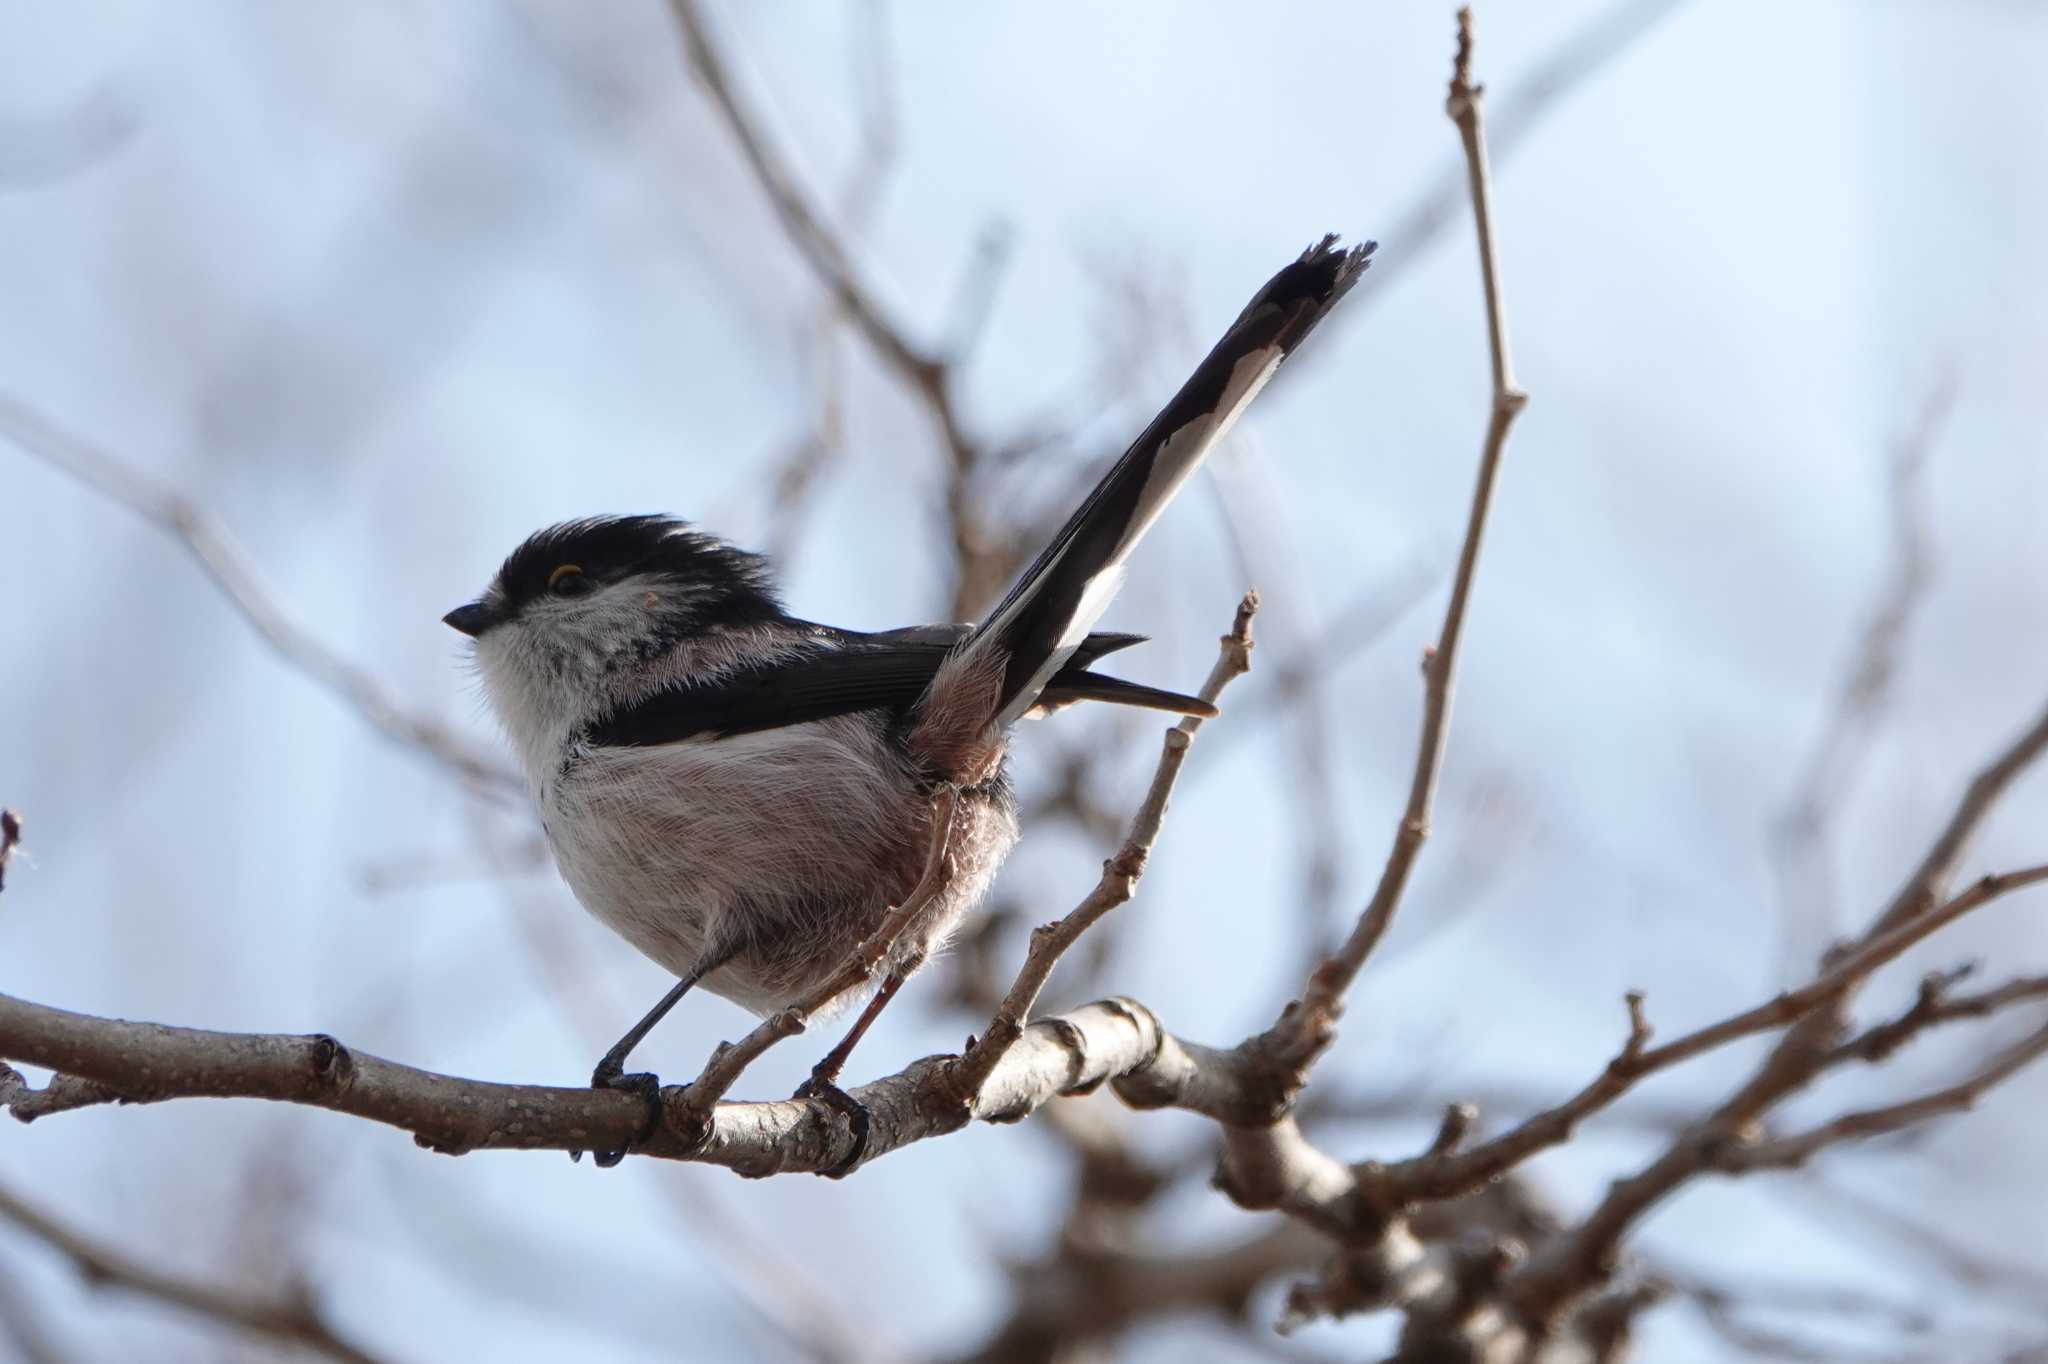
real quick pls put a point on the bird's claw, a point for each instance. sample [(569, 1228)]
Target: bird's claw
[(823, 1087), (609, 1075)]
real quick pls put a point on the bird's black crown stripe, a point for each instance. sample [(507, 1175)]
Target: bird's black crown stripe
[(608, 548)]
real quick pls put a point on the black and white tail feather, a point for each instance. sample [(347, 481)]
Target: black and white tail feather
[(1038, 629)]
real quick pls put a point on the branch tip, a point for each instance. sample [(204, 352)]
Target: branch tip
[(10, 839), (1455, 1127), (1463, 92), (1639, 1029)]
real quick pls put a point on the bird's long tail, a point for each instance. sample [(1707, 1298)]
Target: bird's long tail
[(1035, 630)]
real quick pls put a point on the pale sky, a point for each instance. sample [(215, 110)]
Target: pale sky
[(388, 286)]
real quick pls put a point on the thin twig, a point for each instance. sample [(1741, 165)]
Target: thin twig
[(1924, 886), (1847, 973), (1586, 52), (1268, 1162), (1120, 874), (1360, 624), (10, 839), (1332, 978), (295, 1322), (1788, 1152), (1444, 1174), (1584, 1257), (1272, 1164), (1934, 1005), (974, 297), (1325, 1103), (806, 460)]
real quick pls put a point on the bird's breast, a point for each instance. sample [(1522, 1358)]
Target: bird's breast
[(819, 825)]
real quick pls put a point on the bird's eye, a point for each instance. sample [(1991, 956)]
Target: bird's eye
[(568, 581)]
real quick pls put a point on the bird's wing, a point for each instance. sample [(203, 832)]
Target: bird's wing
[(795, 689), (851, 673)]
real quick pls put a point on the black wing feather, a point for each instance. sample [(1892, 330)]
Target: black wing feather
[(885, 672), (1072, 684), (815, 685)]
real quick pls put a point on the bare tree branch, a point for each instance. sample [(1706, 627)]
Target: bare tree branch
[(232, 573), (296, 1322), (1278, 1167), (1925, 886), (1583, 1258), (1932, 1007), (112, 1061), (1440, 1174), (1786, 1153), (149, 1062), (1270, 1163), (1568, 67), (1313, 1021)]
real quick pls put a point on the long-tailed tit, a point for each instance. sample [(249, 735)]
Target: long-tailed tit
[(743, 795)]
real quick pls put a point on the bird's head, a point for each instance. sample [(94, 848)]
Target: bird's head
[(581, 608)]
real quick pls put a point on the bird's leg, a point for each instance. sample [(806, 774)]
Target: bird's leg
[(931, 884), (610, 1072), (731, 1059), (824, 1082)]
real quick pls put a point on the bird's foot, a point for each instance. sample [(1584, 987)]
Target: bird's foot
[(609, 1075), (823, 1086)]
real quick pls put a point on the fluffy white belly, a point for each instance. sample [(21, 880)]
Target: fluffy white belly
[(789, 845)]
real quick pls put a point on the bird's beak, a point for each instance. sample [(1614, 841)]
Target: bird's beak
[(472, 620)]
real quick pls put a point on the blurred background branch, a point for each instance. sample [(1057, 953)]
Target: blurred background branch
[(231, 572), (296, 1322)]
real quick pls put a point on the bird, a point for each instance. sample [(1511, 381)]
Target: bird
[(743, 794)]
